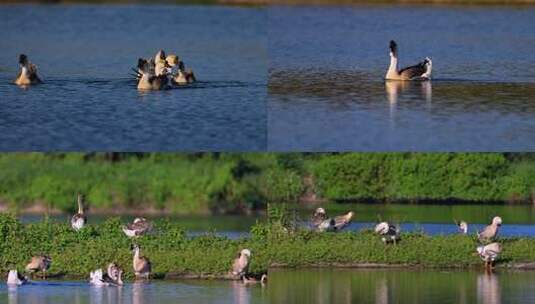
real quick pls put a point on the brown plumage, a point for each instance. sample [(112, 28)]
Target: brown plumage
[(138, 227), (341, 221), (28, 72), (142, 266), (491, 231), (39, 263), (79, 220), (241, 263), (420, 71)]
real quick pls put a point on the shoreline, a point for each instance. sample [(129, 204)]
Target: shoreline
[(527, 266)]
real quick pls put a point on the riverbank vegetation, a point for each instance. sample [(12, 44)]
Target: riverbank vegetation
[(294, 246), (75, 254), (245, 182)]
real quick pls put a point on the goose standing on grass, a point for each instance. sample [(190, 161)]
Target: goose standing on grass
[(142, 265), (489, 254), (79, 220), (39, 263), (14, 278), (389, 233), (138, 227), (463, 226), (420, 71), (489, 233), (147, 78), (28, 72), (241, 263)]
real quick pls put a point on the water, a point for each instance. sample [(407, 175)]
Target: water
[(186, 291), (326, 88), (433, 219), (89, 102), (399, 286), (231, 226)]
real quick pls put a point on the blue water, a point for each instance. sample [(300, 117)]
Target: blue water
[(52, 292), (327, 93), (90, 102)]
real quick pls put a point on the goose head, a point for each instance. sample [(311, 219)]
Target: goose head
[(23, 59), (382, 228), (172, 60), (393, 48), (497, 221)]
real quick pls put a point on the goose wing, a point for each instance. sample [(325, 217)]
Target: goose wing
[(342, 221), (414, 71)]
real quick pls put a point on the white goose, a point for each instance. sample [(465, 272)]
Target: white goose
[(463, 226), (491, 231), (420, 71), (389, 233), (489, 254), (241, 263), (15, 279)]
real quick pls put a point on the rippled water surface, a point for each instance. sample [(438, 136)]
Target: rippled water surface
[(90, 102), (187, 291), (326, 88), (400, 286)]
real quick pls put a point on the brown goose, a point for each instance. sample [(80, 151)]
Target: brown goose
[(139, 227), (490, 232), (39, 263), (420, 71), (142, 265), (28, 72), (241, 263), (79, 220)]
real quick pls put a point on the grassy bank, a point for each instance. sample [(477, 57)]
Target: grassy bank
[(74, 254), (244, 182)]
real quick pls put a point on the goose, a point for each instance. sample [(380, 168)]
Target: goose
[(148, 80), (98, 278), (320, 221), (184, 75), (114, 272), (16, 279), (160, 63), (389, 233), (253, 280), (489, 253), (341, 221), (463, 226), (28, 72), (420, 71), (139, 227), (490, 232), (241, 263), (39, 263), (142, 265), (79, 220)]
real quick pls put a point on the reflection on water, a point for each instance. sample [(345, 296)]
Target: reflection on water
[(326, 88), (188, 291), (399, 286), (488, 289)]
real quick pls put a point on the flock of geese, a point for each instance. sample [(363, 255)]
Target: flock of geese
[(158, 73), (141, 265), (487, 248), (162, 72)]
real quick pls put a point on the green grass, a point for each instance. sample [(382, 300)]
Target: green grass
[(75, 254)]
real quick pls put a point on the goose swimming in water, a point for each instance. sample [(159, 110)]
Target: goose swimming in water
[(389, 233), (253, 280), (98, 278), (14, 278), (489, 253), (39, 263), (241, 263), (148, 80), (79, 220), (463, 226), (28, 72), (490, 232), (138, 227), (420, 71), (180, 75), (142, 266)]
